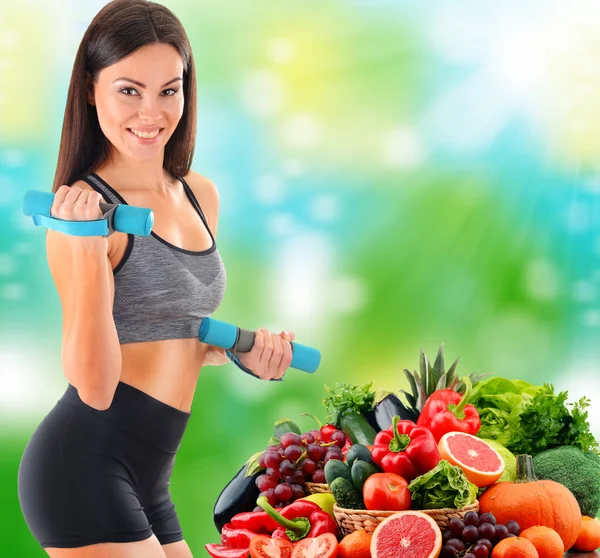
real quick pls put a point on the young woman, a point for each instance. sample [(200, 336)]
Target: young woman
[(93, 480)]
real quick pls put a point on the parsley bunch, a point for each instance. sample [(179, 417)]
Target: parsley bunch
[(347, 397), (546, 423)]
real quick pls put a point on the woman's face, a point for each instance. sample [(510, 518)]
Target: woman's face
[(139, 96)]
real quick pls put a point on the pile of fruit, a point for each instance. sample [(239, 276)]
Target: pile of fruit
[(297, 459), (471, 468)]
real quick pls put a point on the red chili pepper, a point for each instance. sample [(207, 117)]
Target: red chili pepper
[(218, 551), (300, 519), (236, 538), (327, 430), (405, 449), (257, 522), (448, 411)]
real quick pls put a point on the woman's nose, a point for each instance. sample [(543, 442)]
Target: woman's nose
[(150, 109)]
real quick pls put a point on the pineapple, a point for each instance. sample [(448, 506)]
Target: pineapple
[(433, 378)]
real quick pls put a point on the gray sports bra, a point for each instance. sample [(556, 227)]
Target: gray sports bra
[(162, 291)]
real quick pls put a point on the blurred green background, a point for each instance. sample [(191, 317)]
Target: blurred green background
[(393, 175)]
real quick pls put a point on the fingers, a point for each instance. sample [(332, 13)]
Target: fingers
[(289, 335), (275, 362), (286, 358), (71, 203), (271, 354)]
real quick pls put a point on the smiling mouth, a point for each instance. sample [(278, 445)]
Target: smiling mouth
[(145, 135)]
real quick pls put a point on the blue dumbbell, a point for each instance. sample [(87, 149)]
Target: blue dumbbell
[(116, 217), (230, 337)]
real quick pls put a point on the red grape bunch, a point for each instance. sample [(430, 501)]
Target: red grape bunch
[(475, 536), (296, 460)]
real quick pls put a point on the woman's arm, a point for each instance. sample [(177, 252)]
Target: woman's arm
[(91, 353)]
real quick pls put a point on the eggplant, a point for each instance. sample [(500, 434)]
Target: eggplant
[(241, 492), (388, 407), (238, 496)]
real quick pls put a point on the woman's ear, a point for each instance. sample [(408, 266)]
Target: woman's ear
[(89, 89)]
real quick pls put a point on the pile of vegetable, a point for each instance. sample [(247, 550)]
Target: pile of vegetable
[(518, 453)]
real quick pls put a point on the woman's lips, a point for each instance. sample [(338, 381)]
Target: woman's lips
[(146, 141)]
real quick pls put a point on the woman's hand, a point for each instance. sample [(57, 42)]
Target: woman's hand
[(271, 354), (264, 362)]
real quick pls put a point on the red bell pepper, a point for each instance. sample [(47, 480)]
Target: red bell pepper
[(218, 551), (300, 519), (257, 522), (447, 411), (405, 449), (236, 538)]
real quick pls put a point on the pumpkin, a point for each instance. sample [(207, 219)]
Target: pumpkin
[(530, 502)]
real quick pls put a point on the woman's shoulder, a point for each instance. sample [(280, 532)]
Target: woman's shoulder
[(204, 189)]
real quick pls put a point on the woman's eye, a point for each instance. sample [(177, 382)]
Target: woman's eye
[(133, 89)]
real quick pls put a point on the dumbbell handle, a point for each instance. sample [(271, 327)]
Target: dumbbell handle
[(230, 337), (116, 217)]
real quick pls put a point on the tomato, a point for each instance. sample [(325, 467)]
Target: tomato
[(323, 546), (386, 491), (262, 546)]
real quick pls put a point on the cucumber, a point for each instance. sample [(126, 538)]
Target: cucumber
[(361, 471), (285, 425), (346, 494), (357, 428), (358, 451), (334, 469)]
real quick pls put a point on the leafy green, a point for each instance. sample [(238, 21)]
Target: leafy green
[(499, 402), (547, 423), (444, 486), (347, 397)]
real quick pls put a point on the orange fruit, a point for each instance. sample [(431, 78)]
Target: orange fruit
[(547, 541), (589, 535), (355, 545), (514, 547), (407, 533), (481, 463)]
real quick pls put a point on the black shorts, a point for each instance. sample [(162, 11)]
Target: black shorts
[(89, 476)]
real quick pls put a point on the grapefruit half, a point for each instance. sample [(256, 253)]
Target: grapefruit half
[(482, 464), (407, 534)]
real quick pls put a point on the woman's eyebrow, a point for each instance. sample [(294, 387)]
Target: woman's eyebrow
[(142, 85)]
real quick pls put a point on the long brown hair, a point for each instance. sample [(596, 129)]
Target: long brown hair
[(120, 28)]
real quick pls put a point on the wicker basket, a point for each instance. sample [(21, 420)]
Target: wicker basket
[(367, 520), (317, 488)]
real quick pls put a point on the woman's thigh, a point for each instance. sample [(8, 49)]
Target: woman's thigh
[(149, 548), (178, 549)]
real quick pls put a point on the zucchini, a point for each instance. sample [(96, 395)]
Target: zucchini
[(361, 471), (357, 428), (346, 494), (334, 469), (358, 451)]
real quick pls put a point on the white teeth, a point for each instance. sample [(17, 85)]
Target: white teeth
[(145, 134)]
